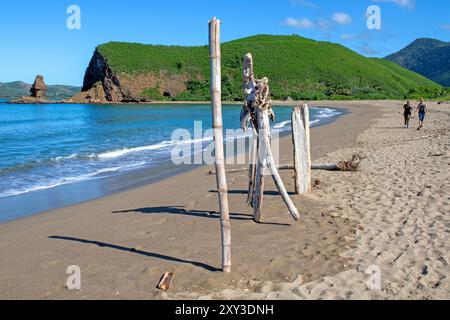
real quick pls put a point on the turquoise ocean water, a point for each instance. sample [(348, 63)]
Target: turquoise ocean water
[(44, 147)]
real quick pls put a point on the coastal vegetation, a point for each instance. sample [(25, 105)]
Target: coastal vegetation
[(298, 68)]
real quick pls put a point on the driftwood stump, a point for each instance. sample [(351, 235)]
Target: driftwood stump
[(302, 149), (258, 112)]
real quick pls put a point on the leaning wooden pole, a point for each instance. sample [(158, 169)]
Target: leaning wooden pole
[(216, 94), (302, 149), (267, 166)]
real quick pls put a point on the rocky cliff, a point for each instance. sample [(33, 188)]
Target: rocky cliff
[(103, 85)]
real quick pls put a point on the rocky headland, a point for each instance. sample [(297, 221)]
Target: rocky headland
[(103, 85)]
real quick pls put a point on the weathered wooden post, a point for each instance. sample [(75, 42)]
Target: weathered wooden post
[(216, 94), (258, 111), (252, 168), (249, 82), (302, 149)]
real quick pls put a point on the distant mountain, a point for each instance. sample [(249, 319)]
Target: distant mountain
[(428, 57), (297, 67), (17, 89)]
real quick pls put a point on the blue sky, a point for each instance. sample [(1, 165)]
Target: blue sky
[(35, 39)]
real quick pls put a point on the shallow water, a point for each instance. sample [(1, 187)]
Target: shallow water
[(48, 146)]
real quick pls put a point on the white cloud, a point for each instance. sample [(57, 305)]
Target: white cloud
[(342, 18), (410, 4), (303, 23), (446, 27)]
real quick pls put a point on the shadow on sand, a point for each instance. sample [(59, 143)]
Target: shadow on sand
[(245, 192), (196, 213), (391, 128), (139, 252)]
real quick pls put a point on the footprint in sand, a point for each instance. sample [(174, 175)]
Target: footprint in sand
[(158, 222), (191, 205)]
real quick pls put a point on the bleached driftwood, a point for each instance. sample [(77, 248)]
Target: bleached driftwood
[(302, 149), (269, 163), (214, 46), (351, 165), (252, 168), (262, 165), (257, 111), (248, 115)]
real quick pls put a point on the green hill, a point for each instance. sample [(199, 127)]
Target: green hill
[(17, 89), (428, 57), (297, 67)]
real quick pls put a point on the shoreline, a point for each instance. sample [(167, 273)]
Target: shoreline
[(147, 222), (274, 102), (388, 214), (55, 197)]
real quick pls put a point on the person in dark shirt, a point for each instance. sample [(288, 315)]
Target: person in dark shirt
[(407, 113), (422, 111)]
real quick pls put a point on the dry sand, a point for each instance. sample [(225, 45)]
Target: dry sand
[(393, 213)]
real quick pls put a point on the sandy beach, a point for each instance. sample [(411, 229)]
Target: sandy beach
[(393, 213)]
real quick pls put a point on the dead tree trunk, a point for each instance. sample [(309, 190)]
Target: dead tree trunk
[(302, 149), (272, 169), (214, 45), (252, 168), (261, 165), (351, 165), (257, 110)]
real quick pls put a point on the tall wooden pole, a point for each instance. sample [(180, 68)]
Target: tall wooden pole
[(216, 94)]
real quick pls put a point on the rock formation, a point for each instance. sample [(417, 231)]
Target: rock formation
[(39, 88), (123, 88), (38, 92), (94, 95)]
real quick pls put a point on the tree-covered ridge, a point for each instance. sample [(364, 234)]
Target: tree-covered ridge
[(297, 67), (428, 57)]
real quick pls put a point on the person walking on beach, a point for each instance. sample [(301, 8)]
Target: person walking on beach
[(422, 111), (407, 113)]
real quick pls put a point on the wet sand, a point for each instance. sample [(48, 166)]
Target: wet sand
[(125, 242)]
